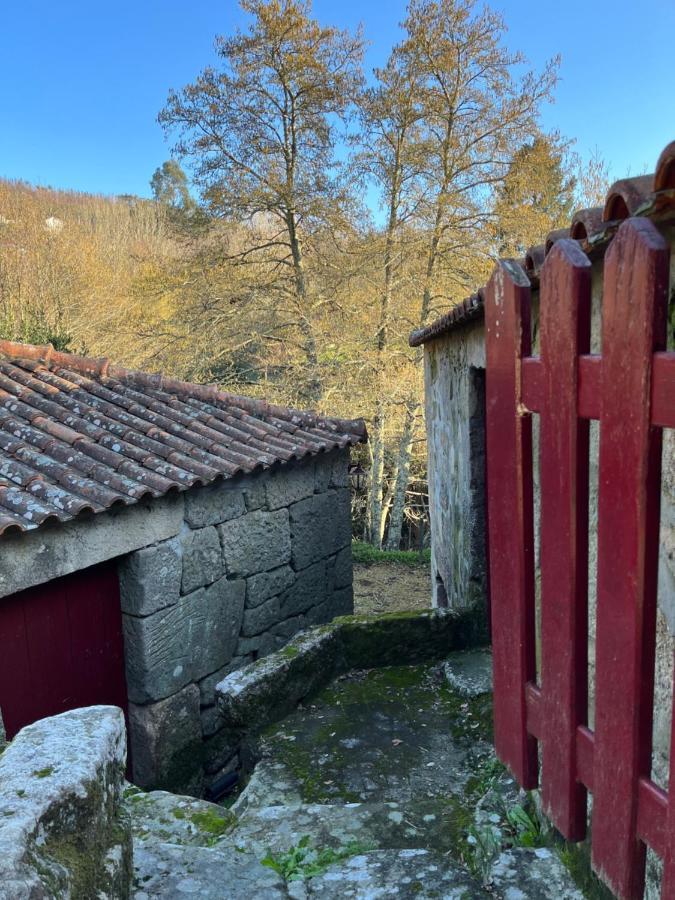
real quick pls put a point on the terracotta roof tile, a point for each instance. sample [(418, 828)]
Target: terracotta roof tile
[(646, 195), (81, 435)]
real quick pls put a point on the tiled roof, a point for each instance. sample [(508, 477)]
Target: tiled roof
[(647, 195), (81, 435)]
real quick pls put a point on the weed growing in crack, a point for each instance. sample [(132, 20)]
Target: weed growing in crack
[(303, 860)]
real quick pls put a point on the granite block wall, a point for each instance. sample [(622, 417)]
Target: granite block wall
[(256, 560)]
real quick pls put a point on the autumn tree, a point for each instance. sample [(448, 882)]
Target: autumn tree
[(471, 107), (393, 156), (260, 131), (536, 196)]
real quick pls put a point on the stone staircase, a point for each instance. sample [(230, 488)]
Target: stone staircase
[(370, 792)]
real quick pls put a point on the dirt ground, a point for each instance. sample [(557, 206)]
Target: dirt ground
[(390, 587)]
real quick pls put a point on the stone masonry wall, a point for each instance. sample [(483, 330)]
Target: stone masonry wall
[(256, 560), (453, 367)]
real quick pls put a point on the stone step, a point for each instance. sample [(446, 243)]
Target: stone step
[(434, 824), (175, 871), (392, 875)]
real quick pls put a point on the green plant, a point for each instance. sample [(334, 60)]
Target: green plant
[(366, 553), (525, 828), (483, 846), (305, 861)]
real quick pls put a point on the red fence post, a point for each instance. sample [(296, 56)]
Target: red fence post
[(633, 327), (510, 511), (565, 315)]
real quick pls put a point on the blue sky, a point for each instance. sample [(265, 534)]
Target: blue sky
[(81, 83)]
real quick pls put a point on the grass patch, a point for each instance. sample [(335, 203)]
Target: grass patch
[(368, 555)]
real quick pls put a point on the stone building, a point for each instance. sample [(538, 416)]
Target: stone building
[(155, 536), (454, 371)]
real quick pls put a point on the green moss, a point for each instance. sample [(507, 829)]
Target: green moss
[(20, 793), (179, 813), (44, 773), (215, 822), (86, 862), (132, 791), (289, 652), (577, 860)]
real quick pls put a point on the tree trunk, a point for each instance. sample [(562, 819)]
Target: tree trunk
[(402, 477), (314, 388), (376, 477)]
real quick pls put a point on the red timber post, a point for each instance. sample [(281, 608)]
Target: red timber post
[(565, 315), (510, 510), (633, 328)]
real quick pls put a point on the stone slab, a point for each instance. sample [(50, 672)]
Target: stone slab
[(150, 578), (213, 504), (261, 618), (268, 584), (202, 558), (166, 745), (308, 590), (271, 687), (290, 483), (172, 872), (183, 643), (342, 569), (397, 874), (161, 816), (207, 686), (218, 631), (257, 542), (160, 649), (535, 874), (470, 673), (61, 832), (320, 526)]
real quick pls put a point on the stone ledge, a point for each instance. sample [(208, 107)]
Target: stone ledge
[(61, 831), (263, 692)]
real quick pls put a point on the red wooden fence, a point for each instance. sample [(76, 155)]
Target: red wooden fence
[(630, 389)]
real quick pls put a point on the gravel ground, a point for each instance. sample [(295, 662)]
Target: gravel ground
[(390, 587)]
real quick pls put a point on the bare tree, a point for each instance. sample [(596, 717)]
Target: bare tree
[(260, 134)]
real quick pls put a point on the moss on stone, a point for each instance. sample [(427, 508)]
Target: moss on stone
[(44, 773), (215, 821), (577, 860)]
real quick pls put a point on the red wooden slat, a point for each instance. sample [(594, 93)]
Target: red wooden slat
[(634, 327), (15, 691), (49, 651), (652, 816), (585, 745), (663, 394), (668, 884), (563, 466), (533, 699), (532, 383), (590, 381), (510, 504)]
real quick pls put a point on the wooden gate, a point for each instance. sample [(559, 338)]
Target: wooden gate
[(630, 389), (61, 647)]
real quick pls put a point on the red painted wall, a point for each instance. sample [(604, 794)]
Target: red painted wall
[(61, 647)]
